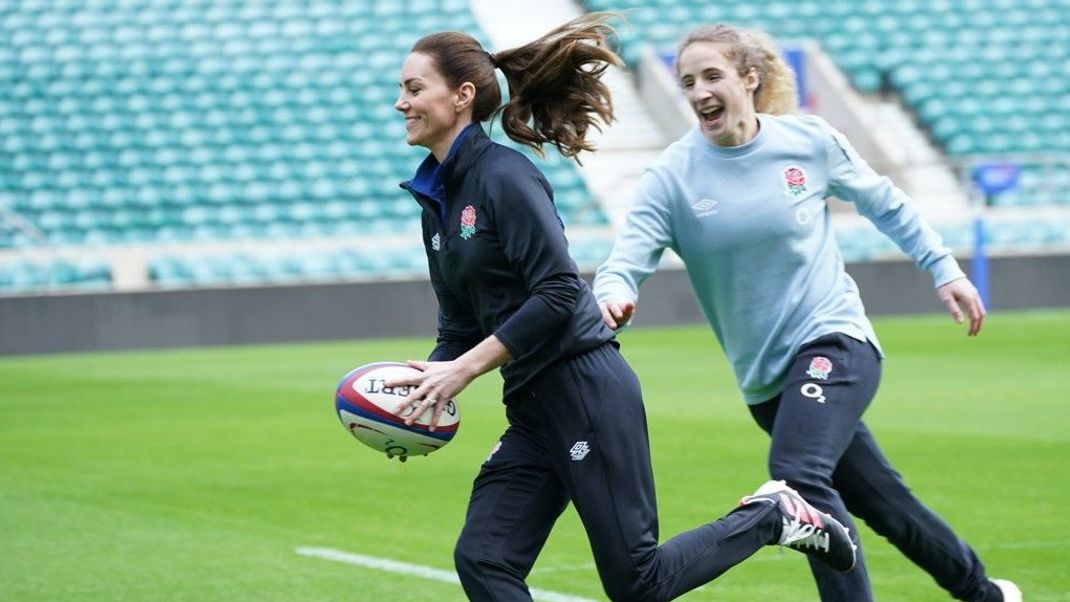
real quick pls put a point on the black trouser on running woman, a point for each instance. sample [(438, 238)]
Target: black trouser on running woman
[(823, 450), (582, 437)]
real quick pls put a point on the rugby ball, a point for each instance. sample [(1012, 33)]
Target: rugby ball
[(365, 405)]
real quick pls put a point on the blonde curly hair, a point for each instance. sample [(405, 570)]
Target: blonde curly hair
[(748, 49)]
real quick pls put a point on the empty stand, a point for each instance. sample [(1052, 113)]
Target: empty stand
[(135, 122), (985, 77)]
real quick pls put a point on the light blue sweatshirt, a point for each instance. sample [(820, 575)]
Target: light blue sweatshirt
[(752, 225)]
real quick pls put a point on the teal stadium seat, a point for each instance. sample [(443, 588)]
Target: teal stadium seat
[(25, 276), (178, 120), (987, 78), (169, 270)]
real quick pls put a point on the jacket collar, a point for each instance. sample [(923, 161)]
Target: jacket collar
[(431, 176), (470, 144)]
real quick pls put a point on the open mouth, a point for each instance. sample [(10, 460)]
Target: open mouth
[(711, 116), (410, 122)]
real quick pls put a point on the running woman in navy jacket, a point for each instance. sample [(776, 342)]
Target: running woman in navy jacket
[(510, 296)]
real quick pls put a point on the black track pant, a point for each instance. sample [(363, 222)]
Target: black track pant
[(582, 438), (821, 447)]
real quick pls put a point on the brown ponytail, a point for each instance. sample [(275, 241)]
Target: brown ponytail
[(554, 83), (555, 90)]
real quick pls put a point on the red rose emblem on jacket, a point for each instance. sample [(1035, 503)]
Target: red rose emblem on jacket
[(468, 222), (468, 216)]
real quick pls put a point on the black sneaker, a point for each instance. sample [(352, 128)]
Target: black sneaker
[(806, 528)]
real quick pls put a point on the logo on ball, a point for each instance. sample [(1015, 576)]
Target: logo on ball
[(365, 406)]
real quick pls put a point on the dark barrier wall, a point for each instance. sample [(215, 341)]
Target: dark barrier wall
[(84, 322)]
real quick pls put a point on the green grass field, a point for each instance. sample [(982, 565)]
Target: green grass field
[(194, 475)]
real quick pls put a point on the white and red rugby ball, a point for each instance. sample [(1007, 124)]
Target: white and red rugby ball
[(365, 405)]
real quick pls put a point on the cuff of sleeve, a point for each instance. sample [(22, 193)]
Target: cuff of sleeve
[(447, 352), (441, 354), (611, 291), (946, 270), (513, 351)]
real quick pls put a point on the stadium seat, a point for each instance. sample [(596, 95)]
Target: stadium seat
[(25, 276), (966, 69), (210, 108)]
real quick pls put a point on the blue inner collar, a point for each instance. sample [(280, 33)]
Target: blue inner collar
[(428, 179)]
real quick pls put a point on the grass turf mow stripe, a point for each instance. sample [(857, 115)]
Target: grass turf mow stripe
[(416, 570), (192, 474)]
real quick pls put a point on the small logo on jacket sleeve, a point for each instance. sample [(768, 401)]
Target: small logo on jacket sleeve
[(436, 242), (468, 222)]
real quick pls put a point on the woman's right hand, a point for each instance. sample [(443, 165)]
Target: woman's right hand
[(616, 312)]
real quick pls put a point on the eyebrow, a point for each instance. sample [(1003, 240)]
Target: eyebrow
[(409, 81), (703, 72)]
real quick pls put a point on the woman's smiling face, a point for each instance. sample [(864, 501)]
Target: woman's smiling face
[(721, 98), (431, 108)]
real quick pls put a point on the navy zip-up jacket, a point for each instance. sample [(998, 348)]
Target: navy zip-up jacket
[(499, 261)]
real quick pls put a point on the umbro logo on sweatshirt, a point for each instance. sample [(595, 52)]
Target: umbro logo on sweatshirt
[(705, 207)]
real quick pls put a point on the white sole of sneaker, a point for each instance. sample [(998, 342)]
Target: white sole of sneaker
[(1010, 591)]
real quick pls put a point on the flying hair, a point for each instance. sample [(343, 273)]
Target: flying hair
[(555, 89)]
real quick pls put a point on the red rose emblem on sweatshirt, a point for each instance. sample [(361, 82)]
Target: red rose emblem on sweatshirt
[(795, 180)]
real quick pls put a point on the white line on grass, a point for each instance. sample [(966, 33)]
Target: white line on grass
[(416, 570), (433, 574)]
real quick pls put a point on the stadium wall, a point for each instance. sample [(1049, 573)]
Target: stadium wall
[(233, 316)]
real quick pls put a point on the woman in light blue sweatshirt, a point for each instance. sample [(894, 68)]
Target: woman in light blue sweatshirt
[(741, 199)]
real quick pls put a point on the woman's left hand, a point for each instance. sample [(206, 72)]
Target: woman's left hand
[(436, 384), (959, 295)]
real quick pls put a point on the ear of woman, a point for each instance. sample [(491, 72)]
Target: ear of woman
[(466, 93)]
